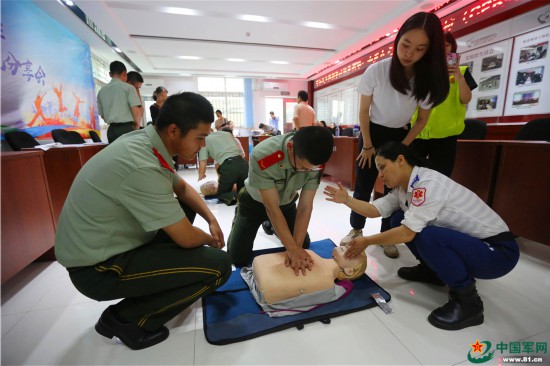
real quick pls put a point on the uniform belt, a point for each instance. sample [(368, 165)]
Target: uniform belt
[(233, 158), (120, 123), (504, 236)]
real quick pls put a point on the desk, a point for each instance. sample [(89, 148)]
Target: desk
[(341, 165), (244, 140), (475, 166), (522, 193), (28, 229), (257, 139), (62, 165)]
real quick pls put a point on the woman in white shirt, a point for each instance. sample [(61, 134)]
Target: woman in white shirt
[(391, 90), (453, 233)]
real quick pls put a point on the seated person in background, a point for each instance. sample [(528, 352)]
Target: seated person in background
[(227, 151), (220, 121), (277, 288), (332, 128), (267, 129), (451, 231)]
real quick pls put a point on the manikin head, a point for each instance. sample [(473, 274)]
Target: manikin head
[(350, 269), (209, 188)]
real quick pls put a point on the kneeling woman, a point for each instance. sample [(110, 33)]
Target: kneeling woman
[(453, 233)]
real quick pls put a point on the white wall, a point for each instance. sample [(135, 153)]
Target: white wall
[(259, 95)]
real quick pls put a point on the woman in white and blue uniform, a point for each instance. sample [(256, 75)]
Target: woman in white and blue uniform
[(453, 233)]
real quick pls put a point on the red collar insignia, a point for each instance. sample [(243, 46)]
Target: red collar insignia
[(163, 162)]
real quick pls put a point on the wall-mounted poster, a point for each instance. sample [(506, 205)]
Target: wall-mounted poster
[(47, 80), (529, 87), (489, 67)]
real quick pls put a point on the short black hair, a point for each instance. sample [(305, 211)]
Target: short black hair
[(116, 68), (134, 77), (218, 111), (261, 125), (157, 91), (314, 144), (186, 110), (392, 149), (302, 94)]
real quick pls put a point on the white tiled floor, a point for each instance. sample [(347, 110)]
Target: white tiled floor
[(45, 321)]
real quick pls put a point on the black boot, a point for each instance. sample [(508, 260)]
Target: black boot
[(420, 273), (268, 228), (464, 309), (135, 337)]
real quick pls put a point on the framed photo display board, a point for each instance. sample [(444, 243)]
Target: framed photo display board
[(489, 66), (529, 86)]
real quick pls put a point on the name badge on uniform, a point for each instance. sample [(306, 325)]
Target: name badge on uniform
[(418, 196)]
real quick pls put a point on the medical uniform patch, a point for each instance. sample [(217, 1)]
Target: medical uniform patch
[(418, 196)]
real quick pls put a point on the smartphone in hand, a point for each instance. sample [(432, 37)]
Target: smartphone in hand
[(452, 58)]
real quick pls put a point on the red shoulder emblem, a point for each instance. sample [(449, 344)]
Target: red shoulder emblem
[(270, 160), (418, 196)]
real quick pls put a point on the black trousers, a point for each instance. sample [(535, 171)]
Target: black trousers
[(156, 281), (116, 130), (366, 177), (232, 171), (440, 152), (249, 215)]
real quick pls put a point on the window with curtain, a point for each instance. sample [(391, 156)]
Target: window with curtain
[(225, 94)]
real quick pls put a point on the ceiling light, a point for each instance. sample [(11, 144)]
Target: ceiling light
[(117, 49), (180, 11), (280, 62), (254, 18), (235, 59), (185, 74), (317, 25), (69, 2), (189, 57)]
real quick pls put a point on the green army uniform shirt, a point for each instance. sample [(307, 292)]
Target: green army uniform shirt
[(280, 175), (118, 201), (220, 146), (115, 101)]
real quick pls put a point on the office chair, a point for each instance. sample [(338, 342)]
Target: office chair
[(67, 137), (535, 130), (474, 130), (20, 139), (348, 131), (94, 136)]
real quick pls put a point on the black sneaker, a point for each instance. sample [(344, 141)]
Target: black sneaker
[(420, 273)]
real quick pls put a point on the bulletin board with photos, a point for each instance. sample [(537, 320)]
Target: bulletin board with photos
[(524, 61), (529, 87), (489, 66)]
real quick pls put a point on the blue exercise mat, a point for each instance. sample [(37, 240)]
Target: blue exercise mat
[(230, 314)]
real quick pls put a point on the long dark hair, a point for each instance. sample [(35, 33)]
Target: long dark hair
[(431, 78), (392, 149)]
